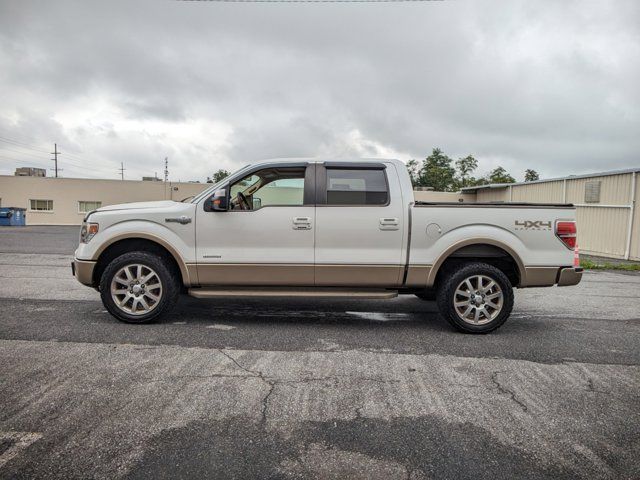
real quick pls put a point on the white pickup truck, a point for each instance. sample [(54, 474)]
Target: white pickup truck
[(325, 227)]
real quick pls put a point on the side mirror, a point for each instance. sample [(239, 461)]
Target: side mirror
[(218, 202)]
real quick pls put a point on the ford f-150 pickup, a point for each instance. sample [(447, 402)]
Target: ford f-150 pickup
[(325, 227)]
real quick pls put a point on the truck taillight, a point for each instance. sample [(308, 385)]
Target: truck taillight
[(566, 231)]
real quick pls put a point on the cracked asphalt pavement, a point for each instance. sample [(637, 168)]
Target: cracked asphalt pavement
[(300, 388)]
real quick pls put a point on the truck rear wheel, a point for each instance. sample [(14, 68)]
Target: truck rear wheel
[(475, 298), (138, 287)]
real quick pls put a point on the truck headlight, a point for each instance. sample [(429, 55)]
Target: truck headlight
[(88, 231)]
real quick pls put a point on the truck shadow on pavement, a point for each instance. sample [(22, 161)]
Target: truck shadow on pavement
[(252, 311)]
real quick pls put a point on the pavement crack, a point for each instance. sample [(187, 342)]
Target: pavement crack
[(258, 374), (253, 373), (512, 395), (335, 378), (265, 399), (212, 375), (591, 388)]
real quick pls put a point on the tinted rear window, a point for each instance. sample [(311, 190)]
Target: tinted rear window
[(356, 187)]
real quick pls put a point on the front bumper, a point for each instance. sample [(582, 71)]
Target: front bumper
[(83, 271), (569, 276)]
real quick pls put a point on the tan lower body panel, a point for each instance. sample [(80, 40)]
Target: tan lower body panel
[(83, 270), (299, 275), (358, 275), (569, 276), (255, 274), (539, 276), (289, 292), (417, 275)]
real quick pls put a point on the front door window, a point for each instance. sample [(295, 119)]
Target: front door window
[(269, 187)]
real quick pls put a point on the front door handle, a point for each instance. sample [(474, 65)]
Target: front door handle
[(301, 223), (389, 224)]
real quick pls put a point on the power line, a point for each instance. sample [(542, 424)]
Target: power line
[(32, 163), (21, 145), (39, 157), (28, 154)]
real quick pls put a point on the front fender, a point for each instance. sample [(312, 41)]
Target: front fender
[(182, 251)]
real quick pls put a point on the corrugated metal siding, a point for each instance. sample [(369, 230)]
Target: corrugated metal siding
[(602, 231), (614, 189), (546, 192), (493, 195), (635, 238), (430, 196)]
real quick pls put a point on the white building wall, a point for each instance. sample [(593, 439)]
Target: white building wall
[(67, 192)]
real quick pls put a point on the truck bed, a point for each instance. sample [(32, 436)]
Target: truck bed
[(525, 231)]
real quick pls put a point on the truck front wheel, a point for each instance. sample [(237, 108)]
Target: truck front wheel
[(138, 287), (475, 298)]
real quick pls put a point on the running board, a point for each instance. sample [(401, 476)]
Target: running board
[(289, 292)]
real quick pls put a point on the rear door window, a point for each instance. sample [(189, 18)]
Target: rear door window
[(357, 187)]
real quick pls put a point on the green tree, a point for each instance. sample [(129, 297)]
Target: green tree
[(531, 175), (500, 175), (437, 172), (414, 171), (474, 182), (465, 166), (217, 176)]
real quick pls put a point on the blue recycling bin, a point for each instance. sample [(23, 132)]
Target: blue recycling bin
[(12, 217)]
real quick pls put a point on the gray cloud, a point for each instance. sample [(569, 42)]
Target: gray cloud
[(544, 85)]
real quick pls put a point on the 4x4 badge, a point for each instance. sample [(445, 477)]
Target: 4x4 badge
[(532, 225)]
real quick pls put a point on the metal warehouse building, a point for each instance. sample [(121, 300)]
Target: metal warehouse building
[(608, 218)]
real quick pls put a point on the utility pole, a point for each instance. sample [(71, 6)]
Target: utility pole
[(55, 154), (122, 169), (166, 175)]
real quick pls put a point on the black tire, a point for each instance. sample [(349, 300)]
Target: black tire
[(446, 297), (427, 295), (168, 279)]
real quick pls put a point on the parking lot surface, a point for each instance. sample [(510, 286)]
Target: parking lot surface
[(299, 388)]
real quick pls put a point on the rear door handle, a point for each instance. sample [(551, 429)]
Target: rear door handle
[(301, 223), (389, 224)]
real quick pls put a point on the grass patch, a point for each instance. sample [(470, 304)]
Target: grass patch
[(591, 265)]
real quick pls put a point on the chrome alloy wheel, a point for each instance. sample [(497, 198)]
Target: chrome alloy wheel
[(478, 299), (136, 289)]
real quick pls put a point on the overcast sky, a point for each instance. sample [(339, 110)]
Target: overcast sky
[(553, 86)]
